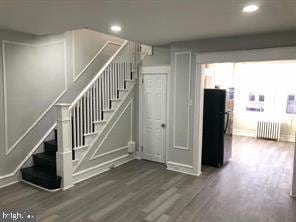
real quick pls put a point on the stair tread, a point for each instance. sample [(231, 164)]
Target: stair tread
[(51, 142), (48, 156), (100, 121), (44, 173), (108, 110)]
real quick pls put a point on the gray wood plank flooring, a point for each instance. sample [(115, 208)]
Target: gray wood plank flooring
[(253, 186)]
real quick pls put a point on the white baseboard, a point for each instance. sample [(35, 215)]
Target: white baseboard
[(39, 187), (247, 133), (181, 168), (138, 156), (9, 180), (287, 138), (103, 167), (250, 133)]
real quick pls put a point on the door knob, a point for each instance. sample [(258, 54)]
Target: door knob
[(163, 125)]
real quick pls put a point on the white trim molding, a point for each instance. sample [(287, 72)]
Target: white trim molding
[(7, 148), (186, 148), (112, 151), (151, 70), (75, 77), (39, 187), (9, 180), (181, 168), (247, 133)]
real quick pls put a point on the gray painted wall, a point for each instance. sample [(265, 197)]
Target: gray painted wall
[(118, 132), (35, 77), (271, 40), (160, 56)]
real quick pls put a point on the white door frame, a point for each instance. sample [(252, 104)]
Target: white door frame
[(153, 70), (253, 55)]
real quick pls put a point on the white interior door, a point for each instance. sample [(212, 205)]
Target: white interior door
[(154, 117)]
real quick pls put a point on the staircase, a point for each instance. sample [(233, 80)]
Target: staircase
[(43, 172), (80, 122)]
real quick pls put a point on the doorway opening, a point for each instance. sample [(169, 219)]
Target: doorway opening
[(261, 97)]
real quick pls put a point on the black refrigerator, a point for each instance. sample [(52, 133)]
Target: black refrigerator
[(217, 127)]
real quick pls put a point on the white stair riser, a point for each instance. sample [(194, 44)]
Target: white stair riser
[(89, 138), (74, 164), (79, 153), (107, 114), (122, 93), (129, 84), (99, 126), (115, 103)]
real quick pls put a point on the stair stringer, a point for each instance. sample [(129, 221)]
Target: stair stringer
[(101, 154)]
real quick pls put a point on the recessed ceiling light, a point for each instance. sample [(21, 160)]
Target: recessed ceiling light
[(250, 8), (115, 28)]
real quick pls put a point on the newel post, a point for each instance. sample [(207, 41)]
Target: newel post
[(293, 192), (64, 153)]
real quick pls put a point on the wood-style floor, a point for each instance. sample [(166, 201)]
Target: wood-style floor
[(253, 187)]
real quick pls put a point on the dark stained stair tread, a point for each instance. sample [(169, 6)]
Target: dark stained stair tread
[(42, 176)]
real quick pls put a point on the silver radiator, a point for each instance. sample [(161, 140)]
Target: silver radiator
[(268, 130)]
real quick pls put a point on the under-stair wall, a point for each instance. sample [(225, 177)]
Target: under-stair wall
[(100, 124), (36, 72), (110, 148)]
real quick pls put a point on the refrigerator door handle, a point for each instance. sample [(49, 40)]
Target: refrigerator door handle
[(227, 122)]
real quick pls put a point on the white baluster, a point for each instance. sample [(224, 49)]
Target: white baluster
[(80, 122), (100, 98), (108, 87), (91, 110), (84, 114), (74, 127), (97, 100)]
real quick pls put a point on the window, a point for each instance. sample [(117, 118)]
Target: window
[(291, 104), (255, 103)]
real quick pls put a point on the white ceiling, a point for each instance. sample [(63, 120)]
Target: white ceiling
[(149, 21)]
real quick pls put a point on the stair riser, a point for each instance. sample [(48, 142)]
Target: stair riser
[(50, 147), (89, 139), (99, 127), (107, 115), (53, 184), (122, 94), (129, 84), (79, 154), (42, 162), (115, 104)]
